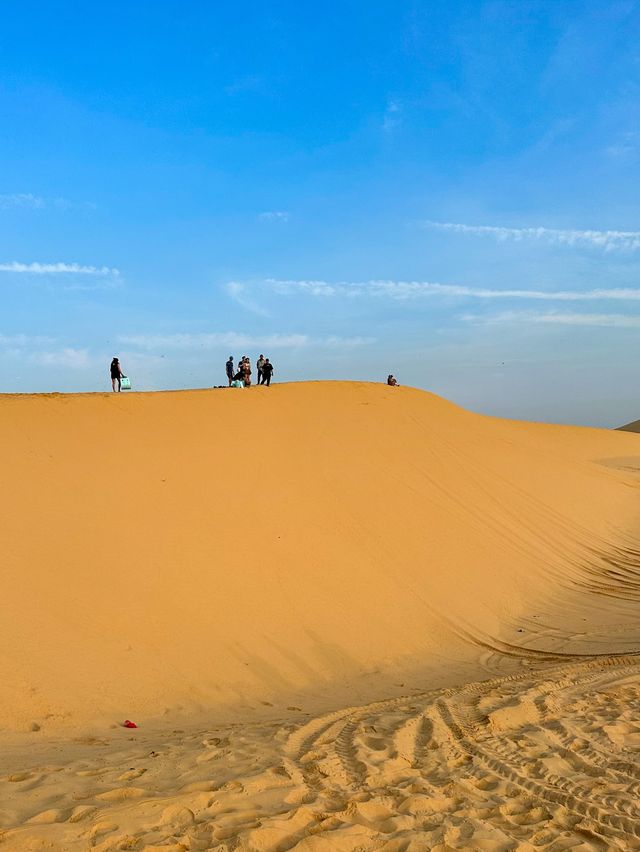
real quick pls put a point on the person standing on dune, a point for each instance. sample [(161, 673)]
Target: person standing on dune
[(259, 366), (246, 371), (116, 375), (229, 369), (267, 370)]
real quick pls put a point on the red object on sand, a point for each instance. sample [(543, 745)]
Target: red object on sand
[(129, 724)]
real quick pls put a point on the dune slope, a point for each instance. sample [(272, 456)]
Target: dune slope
[(630, 427), (174, 552)]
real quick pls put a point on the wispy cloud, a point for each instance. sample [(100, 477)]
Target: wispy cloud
[(391, 118), (236, 340), (626, 147), (70, 359), (606, 240), (274, 216), (21, 199), (239, 293), (532, 317), (29, 201), (250, 83), (57, 269), (404, 290), (22, 342)]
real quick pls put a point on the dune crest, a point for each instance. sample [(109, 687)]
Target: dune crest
[(308, 544)]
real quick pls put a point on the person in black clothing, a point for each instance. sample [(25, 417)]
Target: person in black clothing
[(267, 370), (116, 374), (259, 366), (230, 369)]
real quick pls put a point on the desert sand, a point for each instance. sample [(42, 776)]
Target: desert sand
[(343, 616)]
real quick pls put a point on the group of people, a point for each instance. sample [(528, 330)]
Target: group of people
[(239, 376), (242, 373)]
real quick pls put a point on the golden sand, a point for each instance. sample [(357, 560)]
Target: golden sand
[(344, 616)]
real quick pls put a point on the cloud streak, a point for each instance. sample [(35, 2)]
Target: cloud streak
[(606, 240), (58, 269), (29, 201), (274, 216), (21, 199), (24, 340), (70, 359), (238, 292), (534, 318), (405, 290), (235, 340)]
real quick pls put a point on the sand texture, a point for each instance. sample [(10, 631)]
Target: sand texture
[(344, 616)]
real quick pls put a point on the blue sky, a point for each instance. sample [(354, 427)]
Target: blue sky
[(443, 190)]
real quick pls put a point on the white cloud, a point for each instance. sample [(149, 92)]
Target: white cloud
[(28, 201), (607, 240), (391, 118), (21, 199), (23, 340), (238, 292), (403, 290), (70, 359), (66, 204), (531, 317), (57, 268), (626, 146), (274, 216), (233, 340)]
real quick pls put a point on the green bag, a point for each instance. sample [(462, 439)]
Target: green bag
[(125, 383)]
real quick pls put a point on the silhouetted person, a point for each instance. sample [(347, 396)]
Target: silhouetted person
[(267, 370), (391, 380), (116, 375), (229, 369), (259, 366)]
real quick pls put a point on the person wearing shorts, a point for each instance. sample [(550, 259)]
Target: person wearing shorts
[(116, 375)]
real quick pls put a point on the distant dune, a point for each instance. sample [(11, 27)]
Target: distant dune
[(344, 616), (630, 427), (202, 549)]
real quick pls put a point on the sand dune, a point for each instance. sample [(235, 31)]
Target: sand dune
[(244, 572), (630, 427)]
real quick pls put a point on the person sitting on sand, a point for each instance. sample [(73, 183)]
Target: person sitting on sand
[(116, 375), (391, 380)]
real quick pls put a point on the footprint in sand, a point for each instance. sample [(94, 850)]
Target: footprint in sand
[(19, 776), (131, 774), (50, 816), (102, 828), (121, 794), (81, 812)]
